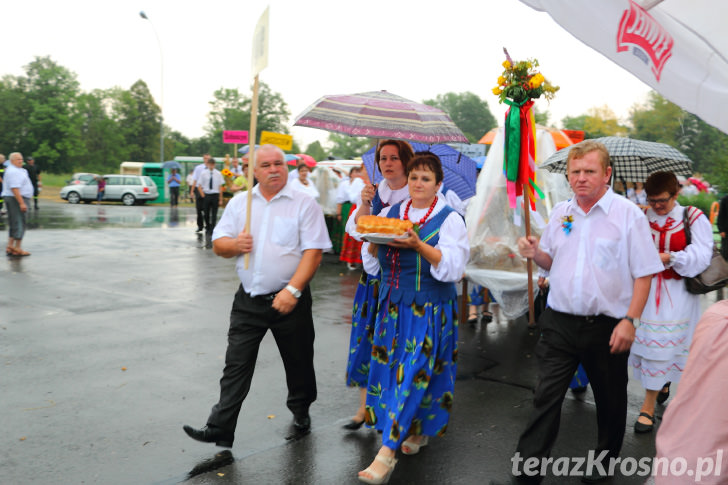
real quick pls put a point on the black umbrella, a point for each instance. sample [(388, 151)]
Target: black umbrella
[(632, 160)]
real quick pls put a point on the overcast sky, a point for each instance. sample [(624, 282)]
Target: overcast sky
[(415, 49)]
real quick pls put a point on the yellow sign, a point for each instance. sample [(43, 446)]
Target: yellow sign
[(259, 59), (281, 140)]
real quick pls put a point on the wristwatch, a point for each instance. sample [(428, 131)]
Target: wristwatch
[(631, 320), (294, 291)]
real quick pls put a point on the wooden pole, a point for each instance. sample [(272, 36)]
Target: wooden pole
[(251, 160), (464, 310), (529, 261)]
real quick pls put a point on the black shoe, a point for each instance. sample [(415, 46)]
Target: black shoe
[(210, 434), (199, 229), (644, 428), (662, 396), (302, 422), (578, 389), (353, 425)]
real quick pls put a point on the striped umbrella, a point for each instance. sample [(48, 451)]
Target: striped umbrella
[(379, 114), (632, 160)]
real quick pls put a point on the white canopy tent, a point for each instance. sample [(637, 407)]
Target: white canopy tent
[(678, 47)]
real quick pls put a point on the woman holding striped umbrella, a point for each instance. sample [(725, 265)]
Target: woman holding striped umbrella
[(391, 159)]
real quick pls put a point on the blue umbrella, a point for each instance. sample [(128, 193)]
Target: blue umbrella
[(172, 164), (245, 148), (459, 170), (480, 161)]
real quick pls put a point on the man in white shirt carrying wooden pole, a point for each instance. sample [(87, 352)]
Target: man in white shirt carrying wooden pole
[(600, 256), (285, 244)]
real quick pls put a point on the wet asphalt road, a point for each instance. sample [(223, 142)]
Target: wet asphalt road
[(113, 334)]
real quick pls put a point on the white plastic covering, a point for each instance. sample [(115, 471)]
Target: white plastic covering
[(494, 228), (326, 182)]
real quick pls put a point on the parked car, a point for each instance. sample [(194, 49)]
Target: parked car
[(129, 189), (79, 178)]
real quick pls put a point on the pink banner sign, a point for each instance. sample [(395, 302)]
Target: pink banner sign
[(239, 137)]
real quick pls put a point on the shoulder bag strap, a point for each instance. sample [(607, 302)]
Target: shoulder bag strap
[(686, 225)]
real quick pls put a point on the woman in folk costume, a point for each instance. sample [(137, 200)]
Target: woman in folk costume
[(391, 158), (660, 348), (347, 195), (414, 350)]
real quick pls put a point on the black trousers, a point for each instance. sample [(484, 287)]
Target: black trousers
[(209, 206), (566, 340), (200, 211), (173, 195), (250, 320)]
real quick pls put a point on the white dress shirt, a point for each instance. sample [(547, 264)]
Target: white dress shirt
[(594, 265), (203, 181), (454, 201), (309, 189), (453, 243), (342, 195), (197, 171), (282, 229), (16, 178)]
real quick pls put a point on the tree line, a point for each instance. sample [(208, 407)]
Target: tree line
[(45, 114)]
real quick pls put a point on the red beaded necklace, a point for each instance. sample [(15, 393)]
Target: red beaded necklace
[(422, 221)]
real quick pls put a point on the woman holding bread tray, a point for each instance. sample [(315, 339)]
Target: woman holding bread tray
[(414, 348), (392, 157)]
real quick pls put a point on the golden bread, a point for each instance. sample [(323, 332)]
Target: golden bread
[(382, 225)]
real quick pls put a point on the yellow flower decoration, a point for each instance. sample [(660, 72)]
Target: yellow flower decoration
[(521, 80)]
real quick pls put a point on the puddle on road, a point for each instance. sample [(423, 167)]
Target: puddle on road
[(55, 215)]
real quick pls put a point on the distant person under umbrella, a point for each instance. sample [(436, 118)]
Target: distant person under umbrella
[(174, 182)]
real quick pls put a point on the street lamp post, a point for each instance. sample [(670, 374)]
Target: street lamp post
[(161, 91)]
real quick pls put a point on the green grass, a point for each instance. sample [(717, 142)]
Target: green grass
[(55, 179)]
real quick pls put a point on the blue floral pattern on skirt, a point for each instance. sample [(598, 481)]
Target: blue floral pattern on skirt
[(411, 383), (362, 330)]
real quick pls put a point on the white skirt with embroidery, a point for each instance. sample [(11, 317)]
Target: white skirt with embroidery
[(662, 341)]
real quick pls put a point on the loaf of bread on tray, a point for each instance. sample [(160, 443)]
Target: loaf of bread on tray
[(382, 225)]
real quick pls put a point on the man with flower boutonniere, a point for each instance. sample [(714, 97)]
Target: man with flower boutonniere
[(599, 253)]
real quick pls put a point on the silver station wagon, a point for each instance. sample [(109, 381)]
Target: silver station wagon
[(128, 189)]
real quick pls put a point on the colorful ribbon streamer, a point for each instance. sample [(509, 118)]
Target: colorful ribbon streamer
[(519, 161)]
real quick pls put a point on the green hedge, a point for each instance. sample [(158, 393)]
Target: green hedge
[(702, 201)]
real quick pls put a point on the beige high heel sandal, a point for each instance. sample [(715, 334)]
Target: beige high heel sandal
[(376, 478), (412, 448)]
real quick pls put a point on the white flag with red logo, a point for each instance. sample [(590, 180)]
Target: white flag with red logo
[(678, 47)]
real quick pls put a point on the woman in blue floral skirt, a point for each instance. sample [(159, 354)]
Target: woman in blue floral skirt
[(414, 348), (391, 158)]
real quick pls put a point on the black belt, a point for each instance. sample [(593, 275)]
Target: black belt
[(267, 298), (586, 318)]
